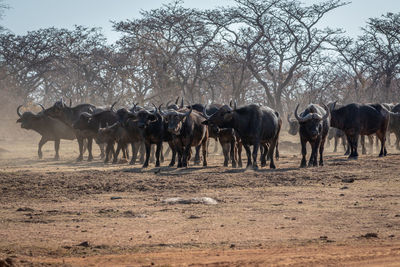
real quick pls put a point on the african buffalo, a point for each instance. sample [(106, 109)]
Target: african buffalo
[(359, 119), (313, 128), (255, 126), (50, 129)]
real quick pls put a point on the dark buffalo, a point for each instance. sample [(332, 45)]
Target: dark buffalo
[(135, 134), (187, 130), (313, 128), (116, 133), (50, 129), (69, 115), (90, 124), (255, 126), (358, 119), (152, 126)]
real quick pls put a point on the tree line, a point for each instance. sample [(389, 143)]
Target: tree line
[(268, 52)]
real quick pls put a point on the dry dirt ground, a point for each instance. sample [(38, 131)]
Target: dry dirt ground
[(82, 214)]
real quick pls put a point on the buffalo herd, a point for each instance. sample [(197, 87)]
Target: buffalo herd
[(189, 126)]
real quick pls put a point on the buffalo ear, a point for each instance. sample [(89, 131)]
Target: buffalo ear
[(19, 120), (205, 122)]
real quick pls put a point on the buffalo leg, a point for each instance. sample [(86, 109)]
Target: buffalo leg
[(119, 146), (171, 147), (233, 153), (90, 143), (303, 163), (148, 151), (197, 155), (335, 144), (80, 144), (277, 151), (239, 151), (109, 150), (158, 152), (314, 148), (321, 152), (255, 151), (204, 146), (353, 141), (225, 151), (248, 153), (344, 143), (135, 148), (185, 155), (57, 149), (142, 152), (263, 153), (382, 138), (41, 143)]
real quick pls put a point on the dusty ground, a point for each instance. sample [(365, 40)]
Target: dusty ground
[(65, 213)]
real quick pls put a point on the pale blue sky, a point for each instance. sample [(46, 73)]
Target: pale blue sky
[(27, 15)]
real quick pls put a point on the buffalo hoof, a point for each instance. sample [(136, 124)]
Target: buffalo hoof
[(234, 164), (132, 162), (114, 161), (205, 164), (255, 167), (263, 164), (57, 157), (90, 158), (321, 163), (145, 165), (240, 164), (157, 164), (80, 158), (353, 157), (272, 166), (171, 164), (40, 155)]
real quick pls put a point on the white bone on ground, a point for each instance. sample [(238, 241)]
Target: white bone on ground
[(195, 200)]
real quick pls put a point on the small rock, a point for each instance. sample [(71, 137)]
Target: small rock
[(25, 209), (342, 195), (323, 237), (344, 187), (348, 180), (300, 202), (149, 236), (397, 215), (194, 217), (232, 246), (370, 235), (195, 200), (114, 198), (84, 244), (391, 236)]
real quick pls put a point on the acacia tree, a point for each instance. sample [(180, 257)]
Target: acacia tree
[(381, 39), (276, 39)]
